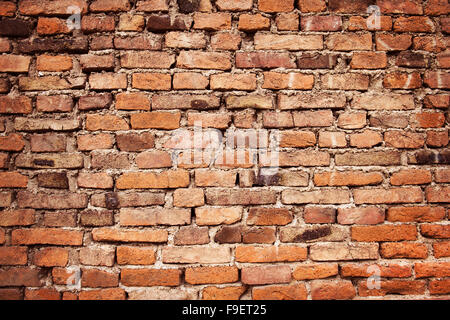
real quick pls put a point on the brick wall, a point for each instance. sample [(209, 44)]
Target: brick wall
[(98, 145)]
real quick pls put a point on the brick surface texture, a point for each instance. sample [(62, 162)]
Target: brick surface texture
[(102, 194)]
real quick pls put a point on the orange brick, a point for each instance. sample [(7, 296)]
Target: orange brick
[(213, 275), (332, 290), (288, 292), (315, 271), (270, 254), (408, 250), (384, 233), (150, 277)]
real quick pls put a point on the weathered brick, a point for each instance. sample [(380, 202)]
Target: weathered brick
[(364, 215), (17, 217), (384, 233), (204, 255), (266, 275), (403, 250), (270, 254), (211, 275), (332, 290), (264, 41), (97, 256), (123, 235), (47, 236), (283, 292), (402, 287), (343, 251), (13, 256), (216, 216), (51, 257), (315, 271)]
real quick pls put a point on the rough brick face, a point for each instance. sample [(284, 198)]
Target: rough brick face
[(141, 149)]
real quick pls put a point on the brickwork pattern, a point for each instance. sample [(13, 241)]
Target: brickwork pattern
[(100, 198)]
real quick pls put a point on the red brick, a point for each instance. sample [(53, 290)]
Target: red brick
[(403, 250), (12, 179), (150, 180), (13, 256), (437, 79), (42, 294), (135, 256), (401, 80), (96, 278), (12, 142), (321, 23), (156, 120), (415, 214), (203, 60), (152, 81), (270, 254), (432, 269), (223, 293), (287, 22), (401, 287), (319, 215), (20, 276), (91, 62), (384, 233), (213, 275), (212, 21), (109, 5), (47, 236), (438, 194), (439, 286), (312, 5), (111, 234), (11, 294), (94, 180), (90, 142), (414, 24), (150, 277), (225, 41), (108, 81), (228, 81), (263, 60), (404, 139), (393, 42), (48, 7), (411, 176), (292, 42), (131, 22), (277, 81), (349, 42), (348, 81), (154, 159), (287, 292), (347, 178), (17, 217), (20, 104), (402, 6), (269, 216), (97, 256), (253, 22), (356, 23), (361, 215), (332, 290), (130, 59), (60, 103), (435, 231), (51, 257), (95, 122), (93, 24), (315, 271), (51, 26), (135, 141), (266, 275), (441, 249), (386, 271), (368, 60), (14, 63), (103, 294)]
